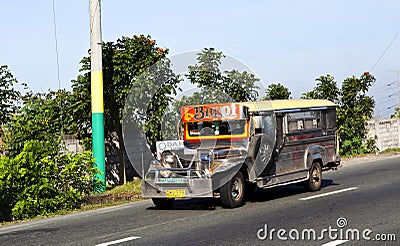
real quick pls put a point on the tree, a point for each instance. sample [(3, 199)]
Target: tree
[(215, 86), (326, 88), (239, 87), (8, 94), (276, 92), (354, 108), (134, 66), (396, 113), (43, 117), (35, 176)]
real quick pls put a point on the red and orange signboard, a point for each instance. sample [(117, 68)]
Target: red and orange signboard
[(212, 112)]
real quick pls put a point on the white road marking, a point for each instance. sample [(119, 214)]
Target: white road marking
[(334, 243), (118, 241), (329, 193)]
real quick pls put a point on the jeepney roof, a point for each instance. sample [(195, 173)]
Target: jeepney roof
[(287, 104)]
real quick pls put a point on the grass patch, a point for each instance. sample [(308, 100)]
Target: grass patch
[(134, 188), (129, 192), (384, 152), (389, 151)]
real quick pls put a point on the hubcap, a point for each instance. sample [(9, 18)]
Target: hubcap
[(316, 176), (236, 190)]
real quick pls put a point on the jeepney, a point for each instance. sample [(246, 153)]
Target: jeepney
[(227, 149)]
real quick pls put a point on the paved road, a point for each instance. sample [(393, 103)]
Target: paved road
[(362, 197)]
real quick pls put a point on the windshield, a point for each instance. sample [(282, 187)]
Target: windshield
[(216, 128)]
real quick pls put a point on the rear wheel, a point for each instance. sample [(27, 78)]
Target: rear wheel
[(315, 180), (163, 203), (232, 193)]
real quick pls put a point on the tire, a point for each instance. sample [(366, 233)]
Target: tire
[(163, 203), (315, 180), (232, 193)]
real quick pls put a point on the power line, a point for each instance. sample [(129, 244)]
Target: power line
[(58, 66), (382, 87), (379, 91), (384, 52), (398, 87), (56, 42)]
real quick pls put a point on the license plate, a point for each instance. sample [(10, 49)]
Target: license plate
[(175, 193), (172, 180)]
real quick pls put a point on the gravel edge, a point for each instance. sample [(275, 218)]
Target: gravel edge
[(368, 158)]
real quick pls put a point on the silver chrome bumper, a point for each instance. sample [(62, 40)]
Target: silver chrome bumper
[(190, 188)]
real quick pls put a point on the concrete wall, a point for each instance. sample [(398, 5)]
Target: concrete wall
[(387, 133), (71, 144)]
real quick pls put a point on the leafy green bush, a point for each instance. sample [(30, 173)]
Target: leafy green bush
[(357, 146), (43, 117), (39, 181), (351, 147), (369, 146)]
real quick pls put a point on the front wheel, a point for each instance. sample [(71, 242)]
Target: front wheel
[(232, 193), (163, 203), (315, 180)]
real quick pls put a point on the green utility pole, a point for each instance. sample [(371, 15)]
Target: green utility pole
[(97, 93)]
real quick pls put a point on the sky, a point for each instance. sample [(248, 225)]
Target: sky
[(283, 41)]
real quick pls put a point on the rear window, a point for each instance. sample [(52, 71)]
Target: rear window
[(308, 120)]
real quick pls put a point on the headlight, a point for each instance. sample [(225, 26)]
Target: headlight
[(169, 159)]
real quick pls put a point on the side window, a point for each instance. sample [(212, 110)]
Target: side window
[(331, 119), (307, 120)]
